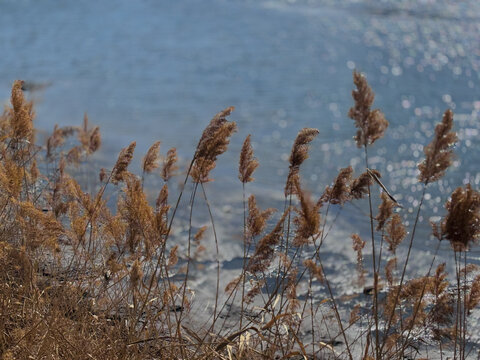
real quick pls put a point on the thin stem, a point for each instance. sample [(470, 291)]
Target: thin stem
[(244, 254), (464, 334), (457, 315), (375, 272)]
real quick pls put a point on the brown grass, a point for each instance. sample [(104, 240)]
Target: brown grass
[(83, 280)]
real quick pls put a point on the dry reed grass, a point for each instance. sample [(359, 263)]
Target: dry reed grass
[(79, 281)]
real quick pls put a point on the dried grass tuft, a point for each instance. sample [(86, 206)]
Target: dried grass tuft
[(151, 159), (298, 155), (170, 164), (214, 142), (461, 225), (439, 153), (125, 157), (248, 163), (371, 124)]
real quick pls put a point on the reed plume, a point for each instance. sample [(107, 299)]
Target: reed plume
[(256, 220), (151, 159), (389, 268), (395, 233), (137, 213), (124, 158), (298, 155), (89, 138), (461, 226), (197, 238), (95, 140), (58, 138), (247, 163), (169, 164), (439, 153), (21, 115), (308, 219), (359, 186), (358, 245), (173, 257), (340, 191), (385, 210), (371, 124), (161, 213), (264, 251), (214, 142)]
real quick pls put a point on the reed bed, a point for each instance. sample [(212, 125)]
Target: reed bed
[(84, 280)]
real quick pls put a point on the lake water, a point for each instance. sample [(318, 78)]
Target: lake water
[(159, 70)]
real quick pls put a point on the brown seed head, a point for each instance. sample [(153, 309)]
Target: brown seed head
[(359, 187), (308, 218), (95, 140), (298, 155), (150, 161), (173, 257), (124, 159), (264, 251), (358, 245), (169, 164), (339, 193), (256, 220), (214, 142), (439, 153), (371, 124), (248, 163), (461, 225), (21, 114), (389, 268), (385, 210), (395, 233), (58, 137), (200, 234)]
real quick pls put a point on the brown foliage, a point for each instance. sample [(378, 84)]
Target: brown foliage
[(308, 218), (21, 115), (359, 187), (358, 245), (439, 153), (248, 163), (395, 233), (264, 251), (151, 159), (214, 142), (124, 158), (169, 164), (298, 155), (340, 192), (80, 281), (256, 220), (461, 226), (385, 210), (371, 124)]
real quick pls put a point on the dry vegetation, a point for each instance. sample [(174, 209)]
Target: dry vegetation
[(81, 280)]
